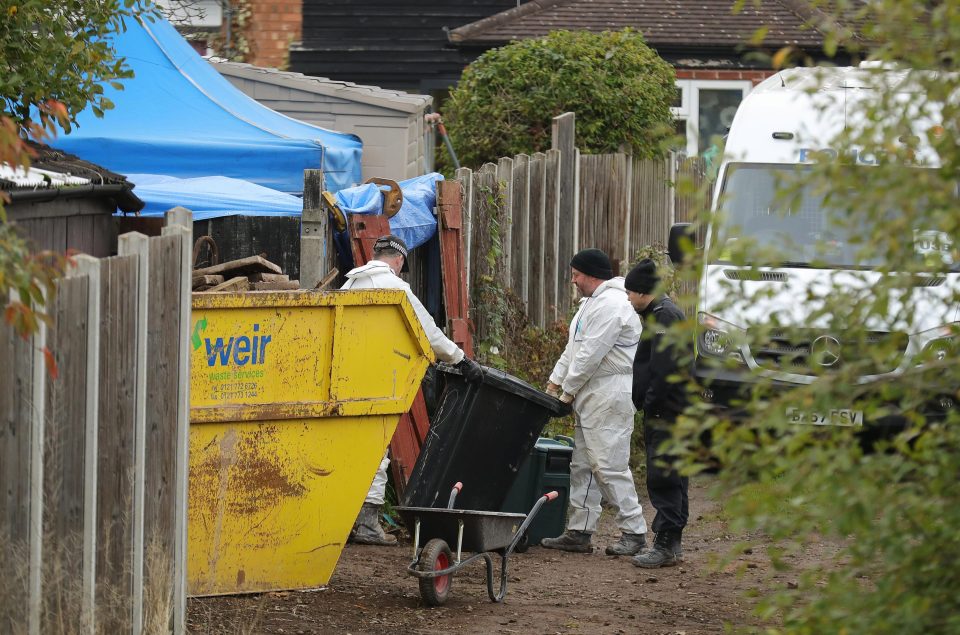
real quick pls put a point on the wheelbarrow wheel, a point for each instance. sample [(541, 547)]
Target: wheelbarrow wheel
[(436, 556)]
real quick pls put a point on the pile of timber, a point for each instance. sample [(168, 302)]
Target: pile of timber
[(254, 273)]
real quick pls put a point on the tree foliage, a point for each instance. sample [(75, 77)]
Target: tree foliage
[(619, 88), (54, 58), (889, 498)]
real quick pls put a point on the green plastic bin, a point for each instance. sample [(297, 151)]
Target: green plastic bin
[(546, 469)]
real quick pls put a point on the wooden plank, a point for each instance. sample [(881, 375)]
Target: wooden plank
[(206, 280), (564, 139), (241, 266), (180, 228), (138, 245), (535, 306), (505, 182), (115, 461), (313, 230), (520, 210), (64, 456), (269, 277), (240, 283), (16, 377), (163, 327), (455, 297), (554, 271), (89, 268)]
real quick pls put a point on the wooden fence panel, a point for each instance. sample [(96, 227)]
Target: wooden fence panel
[(486, 213), (114, 566), (65, 458), (16, 389), (535, 306), (652, 194), (520, 209), (604, 205)]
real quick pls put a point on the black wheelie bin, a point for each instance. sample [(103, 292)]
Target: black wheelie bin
[(480, 435)]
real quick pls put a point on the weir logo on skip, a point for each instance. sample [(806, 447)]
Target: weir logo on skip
[(237, 350)]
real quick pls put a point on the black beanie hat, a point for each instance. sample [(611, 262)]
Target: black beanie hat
[(643, 278), (592, 262)]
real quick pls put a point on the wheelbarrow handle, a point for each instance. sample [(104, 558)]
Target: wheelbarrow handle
[(453, 494)]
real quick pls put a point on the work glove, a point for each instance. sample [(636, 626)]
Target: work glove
[(566, 398), (470, 369), (552, 389)]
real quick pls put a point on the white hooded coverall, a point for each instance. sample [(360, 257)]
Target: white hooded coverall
[(378, 275), (597, 369)]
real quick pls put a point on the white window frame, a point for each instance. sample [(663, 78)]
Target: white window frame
[(690, 104)]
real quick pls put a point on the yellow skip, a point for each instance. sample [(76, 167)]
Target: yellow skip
[(294, 398)]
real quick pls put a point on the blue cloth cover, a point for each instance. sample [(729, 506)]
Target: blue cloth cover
[(178, 116), (415, 222), (212, 197)]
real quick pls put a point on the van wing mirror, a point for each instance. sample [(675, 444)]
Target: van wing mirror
[(681, 241)]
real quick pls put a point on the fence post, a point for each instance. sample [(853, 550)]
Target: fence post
[(179, 222), (137, 244), (564, 140), (465, 176), (313, 230), (37, 418), (90, 267)]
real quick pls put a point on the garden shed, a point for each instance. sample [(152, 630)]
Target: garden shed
[(396, 142)]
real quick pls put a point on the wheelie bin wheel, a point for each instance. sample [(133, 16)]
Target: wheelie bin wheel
[(436, 556), (523, 544)]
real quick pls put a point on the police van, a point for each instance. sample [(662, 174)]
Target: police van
[(761, 316)]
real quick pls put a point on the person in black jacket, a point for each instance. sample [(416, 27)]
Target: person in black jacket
[(661, 401)]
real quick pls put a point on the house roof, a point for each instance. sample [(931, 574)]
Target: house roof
[(664, 23), (54, 173), (348, 91)]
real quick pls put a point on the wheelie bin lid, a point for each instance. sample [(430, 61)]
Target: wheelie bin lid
[(507, 382)]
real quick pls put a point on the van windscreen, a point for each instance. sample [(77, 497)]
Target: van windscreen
[(782, 221)]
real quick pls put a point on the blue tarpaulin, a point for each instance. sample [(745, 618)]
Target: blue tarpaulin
[(212, 197), (415, 222), (179, 117)]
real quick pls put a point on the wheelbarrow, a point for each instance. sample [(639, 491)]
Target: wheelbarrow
[(484, 533)]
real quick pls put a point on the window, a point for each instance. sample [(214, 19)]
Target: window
[(705, 108)]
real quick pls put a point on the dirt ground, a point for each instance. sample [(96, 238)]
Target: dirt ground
[(548, 592)]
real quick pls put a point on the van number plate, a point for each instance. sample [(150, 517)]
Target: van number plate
[(835, 417)]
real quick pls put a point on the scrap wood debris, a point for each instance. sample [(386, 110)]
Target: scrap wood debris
[(253, 273)]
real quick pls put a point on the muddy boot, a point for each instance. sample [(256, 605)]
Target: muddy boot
[(570, 540), (367, 530), (660, 554), (628, 545)]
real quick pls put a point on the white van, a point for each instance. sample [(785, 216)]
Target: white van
[(782, 126)]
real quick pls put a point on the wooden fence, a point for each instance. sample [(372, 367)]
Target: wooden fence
[(93, 457), (526, 216)]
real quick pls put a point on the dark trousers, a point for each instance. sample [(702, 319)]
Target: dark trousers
[(665, 487)]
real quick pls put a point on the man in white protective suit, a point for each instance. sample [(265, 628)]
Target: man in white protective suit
[(595, 372), (383, 272)]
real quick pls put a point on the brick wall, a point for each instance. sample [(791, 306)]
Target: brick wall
[(274, 24), (755, 76)]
